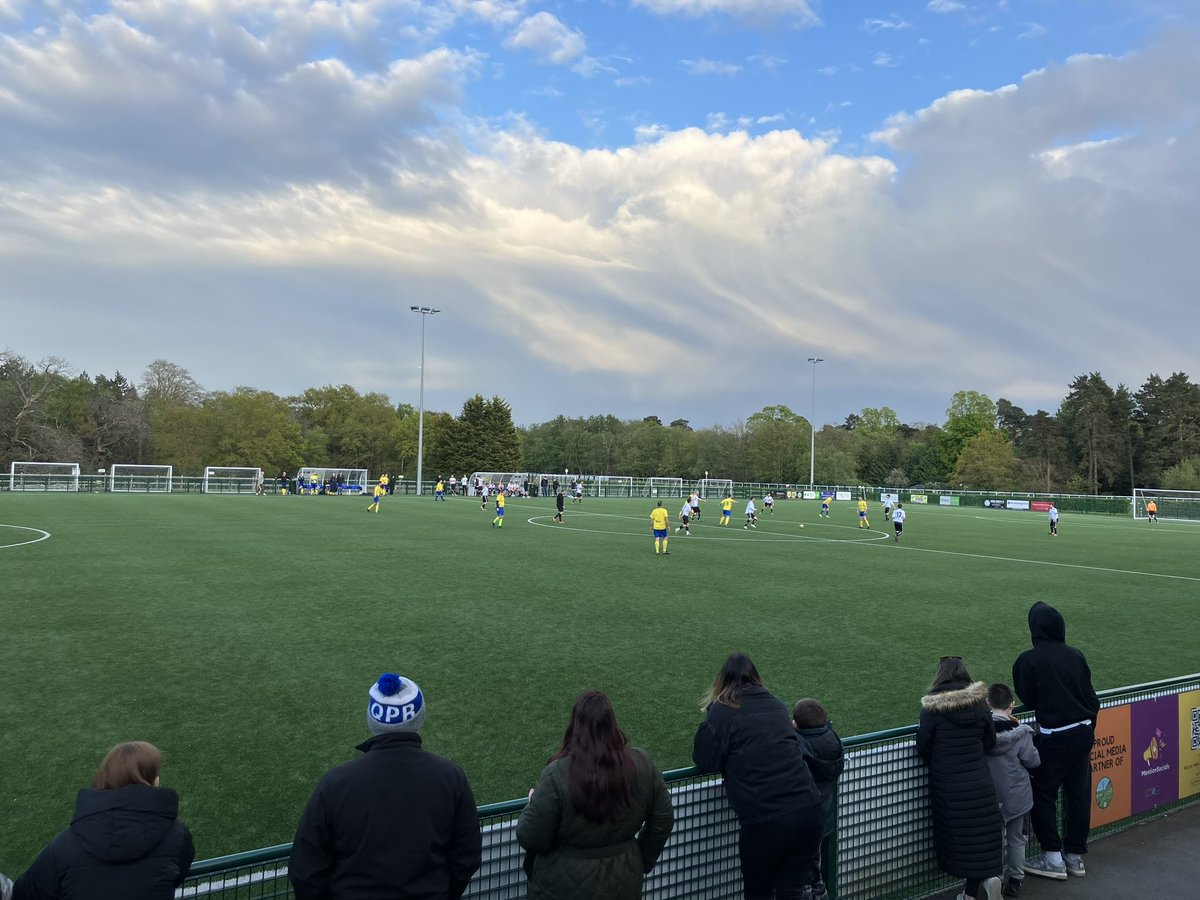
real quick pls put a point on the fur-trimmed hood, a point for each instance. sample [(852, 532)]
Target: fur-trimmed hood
[(954, 699), (1007, 737)]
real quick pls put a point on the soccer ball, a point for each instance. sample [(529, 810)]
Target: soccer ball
[(801, 524)]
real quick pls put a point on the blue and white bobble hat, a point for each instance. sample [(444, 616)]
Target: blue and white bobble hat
[(395, 704)]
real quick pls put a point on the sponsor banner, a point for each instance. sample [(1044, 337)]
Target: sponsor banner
[(1040, 505), (1112, 769), (994, 504), (1154, 746), (826, 495), (810, 495), (948, 501), (918, 498), (894, 498), (842, 495), (1017, 504), (1189, 744), (791, 495)]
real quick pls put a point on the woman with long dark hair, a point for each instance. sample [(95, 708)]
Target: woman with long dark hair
[(953, 736), (747, 736), (599, 816), (124, 841)]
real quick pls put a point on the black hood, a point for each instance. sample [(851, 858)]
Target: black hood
[(125, 824), (1046, 624)]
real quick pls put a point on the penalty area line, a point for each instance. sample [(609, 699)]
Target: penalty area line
[(45, 535), (1046, 562)]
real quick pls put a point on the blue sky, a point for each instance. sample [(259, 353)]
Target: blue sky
[(652, 207)]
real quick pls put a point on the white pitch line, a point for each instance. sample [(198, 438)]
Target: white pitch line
[(45, 535), (1044, 562), (764, 537)]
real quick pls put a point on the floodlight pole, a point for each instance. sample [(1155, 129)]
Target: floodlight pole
[(812, 423), (424, 311)]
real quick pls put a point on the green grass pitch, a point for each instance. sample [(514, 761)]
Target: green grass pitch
[(241, 633)]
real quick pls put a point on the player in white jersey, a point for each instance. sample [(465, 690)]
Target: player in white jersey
[(898, 516), (751, 514), (684, 516)]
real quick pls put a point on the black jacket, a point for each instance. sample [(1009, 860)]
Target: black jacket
[(121, 844), (955, 731), (760, 755), (826, 761), (1053, 677), (395, 822)]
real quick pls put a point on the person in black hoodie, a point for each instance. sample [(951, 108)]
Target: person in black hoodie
[(826, 760), (954, 732), (124, 841), (1053, 679), (747, 736), (395, 822)]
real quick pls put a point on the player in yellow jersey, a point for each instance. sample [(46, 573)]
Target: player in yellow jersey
[(726, 510), (498, 522), (862, 513), (439, 491), (378, 493), (658, 527)]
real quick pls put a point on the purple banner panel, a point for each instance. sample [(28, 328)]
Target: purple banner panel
[(1155, 752)]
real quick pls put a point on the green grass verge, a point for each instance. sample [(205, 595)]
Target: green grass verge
[(240, 634)]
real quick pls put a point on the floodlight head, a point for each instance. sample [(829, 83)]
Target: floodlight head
[(814, 360)]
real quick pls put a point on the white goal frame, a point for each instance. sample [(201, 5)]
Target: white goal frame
[(223, 480), (133, 478), (715, 487), (610, 486), (353, 478), (45, 480), (1173, 506), (664, 487)]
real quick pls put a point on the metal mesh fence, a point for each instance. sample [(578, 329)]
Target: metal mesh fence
[(883, 848)]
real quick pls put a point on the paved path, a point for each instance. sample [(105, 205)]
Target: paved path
[(1158, 860)]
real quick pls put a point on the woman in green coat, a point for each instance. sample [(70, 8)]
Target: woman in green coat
[(599, 816)]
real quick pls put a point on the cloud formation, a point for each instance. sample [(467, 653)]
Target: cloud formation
[(543, 34), (1000, 240)]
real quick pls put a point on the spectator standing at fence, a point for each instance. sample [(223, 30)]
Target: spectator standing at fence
[(826, 760), (954, 734), (747, 735), (1010, 761), (124, 841), (1053, 679), (397, 821), (599, 816)]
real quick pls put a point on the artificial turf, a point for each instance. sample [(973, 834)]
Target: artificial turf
[(240, 633)]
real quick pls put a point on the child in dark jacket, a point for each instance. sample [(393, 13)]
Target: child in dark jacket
[(1010, 761), (823, 753)]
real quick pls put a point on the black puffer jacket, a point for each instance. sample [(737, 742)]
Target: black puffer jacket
[(758, 751), (826, 761), (953, 736), (122, 844), (1053, 677)]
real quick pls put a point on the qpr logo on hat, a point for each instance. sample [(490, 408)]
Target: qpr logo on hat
[(387, 714)]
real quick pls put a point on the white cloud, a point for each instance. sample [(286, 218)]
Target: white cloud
[(1033, 31), (709, 67), (768, 61), (945, 6), (884, 60), (632, 81), (800, 11), (547, 37), (828, 71), (891, 23), (771, 119)]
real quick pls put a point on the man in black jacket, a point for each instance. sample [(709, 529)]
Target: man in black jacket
[(395, 822), (1054, 680)]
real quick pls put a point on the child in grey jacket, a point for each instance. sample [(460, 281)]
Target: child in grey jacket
[(1010, 761)]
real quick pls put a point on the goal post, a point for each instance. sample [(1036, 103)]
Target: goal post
[(1173, 506), (24, 475), (715, 487), (232, 479), (130, 478), (664, 487), (613, 485)]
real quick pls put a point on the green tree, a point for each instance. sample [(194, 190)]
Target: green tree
[(777, 437), (1043, 448), (1168, 411), (1094, 436), (354, 429), (988, 462), (1183, 476)]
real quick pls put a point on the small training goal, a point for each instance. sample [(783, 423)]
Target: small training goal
[(130, 478), (611, 486), (43, 476), (232, 479), (664, 487), (1173, 506)]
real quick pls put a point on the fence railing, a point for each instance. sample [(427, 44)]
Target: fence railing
[(883, 846)]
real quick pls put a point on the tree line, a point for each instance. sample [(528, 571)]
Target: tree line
[(1100, 440)]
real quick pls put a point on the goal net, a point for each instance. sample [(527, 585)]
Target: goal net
[(43, 476), (231, 479), (128, 478), (664, 487), (1173, 506), (331, 480), (612, 486), (715, 487)]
